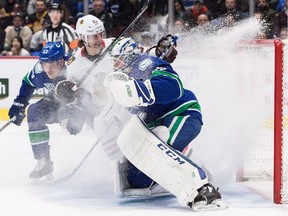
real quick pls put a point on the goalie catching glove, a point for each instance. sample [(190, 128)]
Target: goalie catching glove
[(130, 92)]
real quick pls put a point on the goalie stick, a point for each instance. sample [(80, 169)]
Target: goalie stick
[(124, 31), (75, 170), (8, 123)]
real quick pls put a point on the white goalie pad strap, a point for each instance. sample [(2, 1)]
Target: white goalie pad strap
[(159, 161)]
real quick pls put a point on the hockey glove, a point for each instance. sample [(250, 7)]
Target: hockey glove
[(64, 91), (132, 92), (166, 48), (18, 109)]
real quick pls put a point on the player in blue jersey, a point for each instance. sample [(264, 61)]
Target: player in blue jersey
[(152, 89), (47, 72)]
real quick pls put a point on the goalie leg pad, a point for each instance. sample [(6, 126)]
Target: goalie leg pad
[(160, 162)]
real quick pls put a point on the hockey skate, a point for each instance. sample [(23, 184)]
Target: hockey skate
[(44, 168), (208, 199)]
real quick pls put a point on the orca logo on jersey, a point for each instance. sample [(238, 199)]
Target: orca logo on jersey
[(170, 153), (144, 64)]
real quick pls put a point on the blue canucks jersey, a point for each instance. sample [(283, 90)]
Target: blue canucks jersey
[(172, 99), (37, 78)]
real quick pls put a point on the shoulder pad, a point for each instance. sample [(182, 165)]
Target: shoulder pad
[(37, 68)]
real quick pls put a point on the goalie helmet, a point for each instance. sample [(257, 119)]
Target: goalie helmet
[(123, 54), (51, 52), (89, 25)]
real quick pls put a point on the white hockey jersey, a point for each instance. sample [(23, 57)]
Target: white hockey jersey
[(79, 64), (107, 112)]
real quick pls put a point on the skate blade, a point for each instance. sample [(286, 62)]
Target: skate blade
[(214, 206), (43, 180)]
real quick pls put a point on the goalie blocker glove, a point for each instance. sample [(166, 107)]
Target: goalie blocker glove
[(18, 110), (132, 92)]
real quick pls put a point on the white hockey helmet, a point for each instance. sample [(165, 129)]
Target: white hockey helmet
[(89, 25), (123, 54)]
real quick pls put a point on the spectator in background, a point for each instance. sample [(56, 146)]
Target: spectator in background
[(179, 26), (280, 21), (179, 9), (17, 48), (204, 27), (263, 31), (18, 29), (232, 10), (36, 43), (35, 20), (59, 31), (192, 14), (232, 14), (180, 31), (267, 16), (100, 12), (121, 11), (10, 7), (283, 33), (2, 36), (203, 19), (179, 12)]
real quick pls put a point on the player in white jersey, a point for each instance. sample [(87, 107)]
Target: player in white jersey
[(98, 102)]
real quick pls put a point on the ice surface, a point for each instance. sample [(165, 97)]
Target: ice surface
[(90, 191)]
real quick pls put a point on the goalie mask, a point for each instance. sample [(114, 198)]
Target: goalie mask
[(89, 25), (124, 54)]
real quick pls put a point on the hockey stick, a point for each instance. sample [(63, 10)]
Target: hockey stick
[(75, 170), (107, 50), (8, 123)]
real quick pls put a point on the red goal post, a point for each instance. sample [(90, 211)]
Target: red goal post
[(280, 123), (269, 159)]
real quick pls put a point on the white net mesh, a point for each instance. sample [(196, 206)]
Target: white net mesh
[(258, 160)]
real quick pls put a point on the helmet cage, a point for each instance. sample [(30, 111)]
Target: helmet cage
[(123, 54)]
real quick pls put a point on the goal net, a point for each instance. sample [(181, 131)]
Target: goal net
[(267, 157), (233, 76)]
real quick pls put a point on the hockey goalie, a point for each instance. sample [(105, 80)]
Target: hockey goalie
[(167, 117)]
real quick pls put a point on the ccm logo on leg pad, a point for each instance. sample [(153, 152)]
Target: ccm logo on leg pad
[(170, 153)]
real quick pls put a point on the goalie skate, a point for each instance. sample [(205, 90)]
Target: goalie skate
[(208, 199)]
